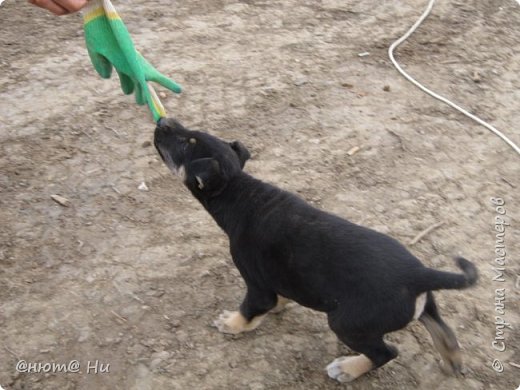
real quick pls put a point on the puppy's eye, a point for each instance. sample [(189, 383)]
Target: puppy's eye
[(193, 141)]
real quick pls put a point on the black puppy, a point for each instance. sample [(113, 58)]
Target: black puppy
[(366, 282)]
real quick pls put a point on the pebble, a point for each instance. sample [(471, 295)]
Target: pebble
[(61, 200), (300, 81), (353, 150), (157, 358)]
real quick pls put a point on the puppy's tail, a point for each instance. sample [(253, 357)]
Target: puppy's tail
[(443, 337), (430, 279)]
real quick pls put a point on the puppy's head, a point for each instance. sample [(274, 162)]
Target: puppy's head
[(204, 162)]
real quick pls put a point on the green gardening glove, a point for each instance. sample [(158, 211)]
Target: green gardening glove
[(109, 45)]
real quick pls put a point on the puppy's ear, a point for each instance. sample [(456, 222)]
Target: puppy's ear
[(206, 176), (241, 151)]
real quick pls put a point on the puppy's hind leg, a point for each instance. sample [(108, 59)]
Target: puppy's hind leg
[(443, 337), (281, 303), (255, 306), (374, 353)]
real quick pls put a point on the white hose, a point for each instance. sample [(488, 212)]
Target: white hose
[(435, 95)]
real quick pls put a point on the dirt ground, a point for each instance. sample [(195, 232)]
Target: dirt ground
[(135, 278)]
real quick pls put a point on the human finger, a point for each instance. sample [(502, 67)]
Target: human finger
[(50, 6), (71, 5)]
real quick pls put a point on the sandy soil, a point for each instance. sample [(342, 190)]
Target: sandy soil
[(135, 278)]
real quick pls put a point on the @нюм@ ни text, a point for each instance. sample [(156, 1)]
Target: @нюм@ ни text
[(73, 367)]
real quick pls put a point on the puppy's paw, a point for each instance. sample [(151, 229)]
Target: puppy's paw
[(229, 322), (233, 322), (335, 371), (347, 368)]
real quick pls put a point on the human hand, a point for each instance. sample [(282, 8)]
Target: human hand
[(60, 7)]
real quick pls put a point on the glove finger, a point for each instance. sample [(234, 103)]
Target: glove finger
[(127, 84), (139, 96), (153, 74), (165, 82), (101, 64)]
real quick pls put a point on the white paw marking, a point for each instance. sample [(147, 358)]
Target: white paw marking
[(347, 368), (335, 370), (229, 322), (233, 322)]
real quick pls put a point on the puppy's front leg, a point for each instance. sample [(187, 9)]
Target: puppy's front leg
[(253, 309)]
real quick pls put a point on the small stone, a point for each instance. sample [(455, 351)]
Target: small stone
[(61, 200), (83, 335), (352, 151), (157, 358), (386, 88), (143, 187), (379, 208), (300, 81), (146, 144), (142, 371), (155, 363)]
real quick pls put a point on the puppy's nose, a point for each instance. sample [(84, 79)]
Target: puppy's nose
[(160, 130), (161, 122)]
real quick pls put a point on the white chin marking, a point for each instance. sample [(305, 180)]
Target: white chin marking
[(420, 302), (180, 172)]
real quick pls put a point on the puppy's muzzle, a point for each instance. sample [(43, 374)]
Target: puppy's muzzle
[(162, 135)]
